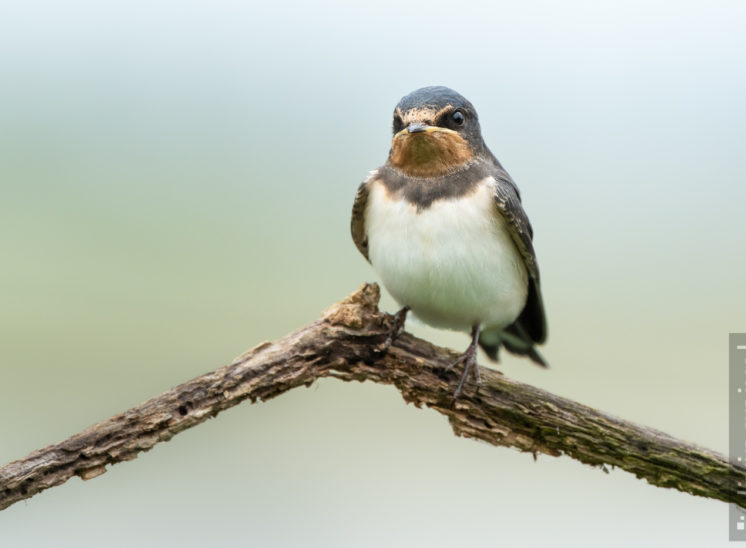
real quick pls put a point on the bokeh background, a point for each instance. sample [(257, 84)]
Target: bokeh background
[(176, 183)]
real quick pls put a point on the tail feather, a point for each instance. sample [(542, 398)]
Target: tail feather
[(491, 350), (516, 340)]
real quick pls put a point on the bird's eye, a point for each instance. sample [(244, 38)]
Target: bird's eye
[(458, 117), (398, 124)]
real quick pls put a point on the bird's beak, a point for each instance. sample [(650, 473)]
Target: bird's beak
[(416, 127)]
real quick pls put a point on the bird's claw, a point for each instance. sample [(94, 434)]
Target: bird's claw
[(469, 359), (396, 329)]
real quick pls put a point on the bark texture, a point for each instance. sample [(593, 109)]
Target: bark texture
[(346, 343)]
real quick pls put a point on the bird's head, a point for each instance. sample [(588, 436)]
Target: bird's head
[(436, 131)]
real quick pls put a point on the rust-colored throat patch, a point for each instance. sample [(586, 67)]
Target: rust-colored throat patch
[(429, 154)]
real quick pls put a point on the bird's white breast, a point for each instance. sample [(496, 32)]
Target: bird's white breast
[(453, 263)]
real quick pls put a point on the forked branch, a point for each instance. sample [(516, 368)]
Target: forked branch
[(346, 343)]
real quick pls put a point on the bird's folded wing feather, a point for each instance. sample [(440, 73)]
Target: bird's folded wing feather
[(508, 202), (357, 225)]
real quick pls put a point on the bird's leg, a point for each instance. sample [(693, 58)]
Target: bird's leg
[(396, 329), (470, 361)]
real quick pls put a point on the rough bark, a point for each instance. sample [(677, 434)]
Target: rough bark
[(346, 343)]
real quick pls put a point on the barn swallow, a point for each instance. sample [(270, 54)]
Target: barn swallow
[(442, 224)]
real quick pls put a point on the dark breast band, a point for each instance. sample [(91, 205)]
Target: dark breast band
[(423, 191)]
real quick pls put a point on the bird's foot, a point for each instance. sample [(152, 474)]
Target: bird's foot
[(396, 328), (469, 359)]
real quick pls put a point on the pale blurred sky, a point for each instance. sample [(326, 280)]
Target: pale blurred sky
[(176, 183)]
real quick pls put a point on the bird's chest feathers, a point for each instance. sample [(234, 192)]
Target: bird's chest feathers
[(446, 229), (454, 259)]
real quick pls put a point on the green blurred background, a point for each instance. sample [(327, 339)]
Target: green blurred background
[(176, 183)]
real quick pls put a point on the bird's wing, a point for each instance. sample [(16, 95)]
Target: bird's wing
[(508, 202), (357, 225)]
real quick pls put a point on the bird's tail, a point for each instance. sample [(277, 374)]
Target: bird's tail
[(515, 339)]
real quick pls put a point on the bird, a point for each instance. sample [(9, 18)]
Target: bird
[(442, 224)]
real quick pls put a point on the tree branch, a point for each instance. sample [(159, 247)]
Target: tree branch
[(345, 343)]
